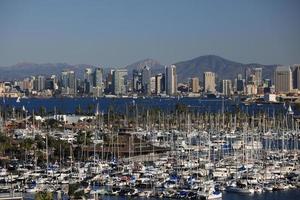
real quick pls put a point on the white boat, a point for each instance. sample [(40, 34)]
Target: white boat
[(235, 189)]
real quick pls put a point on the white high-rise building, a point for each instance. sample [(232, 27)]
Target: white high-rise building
[(283, 79), (98, 77), (40, 83), (209, 82), (226, 87), (68, 82), (171, 80), (159, 83), (98, 82), (194, 85), (88, 80), (152, 84), (120, 81)]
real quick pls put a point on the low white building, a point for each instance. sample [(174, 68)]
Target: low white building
[(270, 98), (69, 119)]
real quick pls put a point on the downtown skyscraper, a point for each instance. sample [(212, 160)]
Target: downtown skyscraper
[(171, 80)]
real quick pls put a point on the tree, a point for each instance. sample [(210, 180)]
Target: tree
[(78, 110), (42, 111), (44, 196), (91, 108), (5, 143)]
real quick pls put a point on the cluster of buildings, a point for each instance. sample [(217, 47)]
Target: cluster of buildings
[(95, 83), (142, 82)]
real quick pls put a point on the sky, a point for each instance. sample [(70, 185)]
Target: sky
[(115, 33)]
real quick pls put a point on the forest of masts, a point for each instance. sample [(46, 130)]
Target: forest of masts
[(181, 118)]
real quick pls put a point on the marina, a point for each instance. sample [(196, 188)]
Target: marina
[(149, 100), (182, 154)]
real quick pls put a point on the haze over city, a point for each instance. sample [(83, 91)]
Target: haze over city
[(117, 33)]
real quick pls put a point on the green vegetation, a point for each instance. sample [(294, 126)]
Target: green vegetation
[(44, 196)]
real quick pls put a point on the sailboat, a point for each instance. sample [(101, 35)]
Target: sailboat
[(18, 100), (290, 111)]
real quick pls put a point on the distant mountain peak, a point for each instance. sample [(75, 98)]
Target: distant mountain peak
[(224, 68), (153, 64)]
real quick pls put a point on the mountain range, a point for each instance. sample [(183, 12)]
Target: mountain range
[(224, 68)]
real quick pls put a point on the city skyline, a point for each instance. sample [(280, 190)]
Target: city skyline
[(111, 33)]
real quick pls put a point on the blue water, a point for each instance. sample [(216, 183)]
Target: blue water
[(69, 105)]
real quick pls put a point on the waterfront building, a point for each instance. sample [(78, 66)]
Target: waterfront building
[(120, 81), (209, 79), (296, 77), (283, 79), (98, 82), (146, 75), (247, 74), (270, 98), (194, 85), (40, 86), (226, 87), (27, 84), (55, 82), (239, 84), (49, 85), (251, 89), (159, 82), (68, 83), (136, 81), (171, 80), (108, 88), (88, 80), (267, 83), (257, 72), (98, 77), (152, 84), (2, 88)]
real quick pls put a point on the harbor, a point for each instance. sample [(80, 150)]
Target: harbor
[(149, 153)]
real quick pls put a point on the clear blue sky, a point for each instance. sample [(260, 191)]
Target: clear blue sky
[(117, 33)]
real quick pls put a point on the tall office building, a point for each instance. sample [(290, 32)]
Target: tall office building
[(226, 87), (97, 82), (296, 77), (120, 82), (152, 85), (109, 83), (136, 81), (283, 79), (98, 77), (88, 80), (239, 83), (247, 74), (68, 82), (209, 82), (26, 84), (159, 83), (40, 83), (49, 85), (171, 80), (257, 76), (146, 85), (194, 85)]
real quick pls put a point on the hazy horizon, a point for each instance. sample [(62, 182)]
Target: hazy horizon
[(115, 33)]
